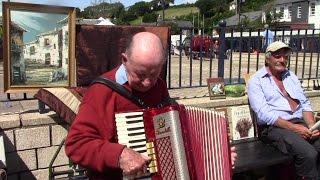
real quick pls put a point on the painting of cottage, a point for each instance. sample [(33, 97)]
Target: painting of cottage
[(39, 52)]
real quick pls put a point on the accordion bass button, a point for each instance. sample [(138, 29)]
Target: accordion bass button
[(150, 151), (152, 164), (152, 156), (150, 145), (153, 169)]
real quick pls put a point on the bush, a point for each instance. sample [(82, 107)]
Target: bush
[(235, 90), (150, 17)]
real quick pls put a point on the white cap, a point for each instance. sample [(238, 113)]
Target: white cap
[(275, 46)]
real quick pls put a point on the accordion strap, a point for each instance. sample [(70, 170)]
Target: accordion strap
[(119, 89)]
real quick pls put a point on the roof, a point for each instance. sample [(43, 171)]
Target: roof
[(179, 23), (278, 2), (100, 21), (234, 20)]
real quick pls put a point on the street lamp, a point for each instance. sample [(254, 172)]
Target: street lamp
[(162, 4)]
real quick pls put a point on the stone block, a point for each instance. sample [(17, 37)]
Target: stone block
[(45, 156), (35, 118), (41, 174), (35, 137), (58, 132), (29, 105), (10, 107), (9, 121), (9, 143), (21, 161)]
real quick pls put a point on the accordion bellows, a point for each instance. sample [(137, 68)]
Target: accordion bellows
[(184, 142)]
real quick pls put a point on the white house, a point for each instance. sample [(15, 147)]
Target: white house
[(299, 12)]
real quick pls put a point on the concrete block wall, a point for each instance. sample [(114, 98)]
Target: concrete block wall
[(31, 139)]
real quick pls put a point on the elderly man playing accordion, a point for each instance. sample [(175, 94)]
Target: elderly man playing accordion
[(92, 140)]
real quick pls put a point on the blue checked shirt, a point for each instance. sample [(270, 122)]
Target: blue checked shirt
[(267, 100)]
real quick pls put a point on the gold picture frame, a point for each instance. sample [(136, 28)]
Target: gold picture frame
[(216, 88), (38, 46)]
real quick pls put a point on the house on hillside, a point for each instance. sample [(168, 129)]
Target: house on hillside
[(234, 21), (297, 14)]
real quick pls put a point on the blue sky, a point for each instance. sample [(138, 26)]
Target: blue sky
[(84, 3)]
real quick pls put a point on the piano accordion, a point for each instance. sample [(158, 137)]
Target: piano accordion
[(183, 142)]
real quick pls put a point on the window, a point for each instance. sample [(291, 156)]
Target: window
[(312, 9), (46, 42), (282, 12), (66, 37), (290, 11), (54, 46), (32, 50), (299, 12), (47, 58)]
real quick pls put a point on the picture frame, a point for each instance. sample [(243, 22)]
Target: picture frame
[(241, 124), (216, 88), (38, 46)]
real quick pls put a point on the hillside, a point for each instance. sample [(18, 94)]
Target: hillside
[(171, 13)]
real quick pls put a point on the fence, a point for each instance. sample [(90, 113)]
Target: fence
[(195, 58)]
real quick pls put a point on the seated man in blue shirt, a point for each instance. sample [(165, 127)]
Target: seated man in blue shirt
[(284, 112)]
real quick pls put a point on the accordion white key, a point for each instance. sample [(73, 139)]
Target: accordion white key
[(183, 142)]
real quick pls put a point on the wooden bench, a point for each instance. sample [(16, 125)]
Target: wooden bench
[(255, 154)]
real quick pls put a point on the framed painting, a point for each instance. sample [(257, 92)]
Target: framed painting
[(216, 88), (241, 124), (38, 46)]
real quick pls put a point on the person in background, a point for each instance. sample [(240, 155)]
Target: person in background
[(92, 140), (284, 112), (267, 37)]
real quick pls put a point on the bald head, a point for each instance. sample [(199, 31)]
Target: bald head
[(145, 44), (143, 60)]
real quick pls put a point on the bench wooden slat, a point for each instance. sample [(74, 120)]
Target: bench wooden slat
[(256, 154)]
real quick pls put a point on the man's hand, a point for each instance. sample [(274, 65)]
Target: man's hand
[(315, 134), (303, 131), (233, 156), (132, 162)]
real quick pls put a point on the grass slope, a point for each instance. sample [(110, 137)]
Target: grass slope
[(170, 13)]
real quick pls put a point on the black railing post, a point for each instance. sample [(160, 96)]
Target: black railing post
[(222, 42)]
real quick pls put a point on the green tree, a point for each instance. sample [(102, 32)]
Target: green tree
[(140, 8), (150, 17), (106, 10)]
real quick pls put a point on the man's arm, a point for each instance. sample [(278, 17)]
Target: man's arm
[(90, 138), (297, 128), (259, 103)]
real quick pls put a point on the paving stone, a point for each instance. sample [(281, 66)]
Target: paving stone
[(35, 118), (58, 133), (9, 121), (21, 160), (9, 143), (29, 105), (32, 137), (10, 107), (45, 156)]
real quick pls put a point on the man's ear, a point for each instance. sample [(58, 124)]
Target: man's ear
[(124, 58)]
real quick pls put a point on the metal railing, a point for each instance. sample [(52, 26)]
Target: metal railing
[(240, 51)]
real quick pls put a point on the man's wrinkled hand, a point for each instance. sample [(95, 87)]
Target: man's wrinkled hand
[(303, 131), (131, 162), (315, 134)]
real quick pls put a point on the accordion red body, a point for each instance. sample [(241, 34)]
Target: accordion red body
[(184, 142)]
